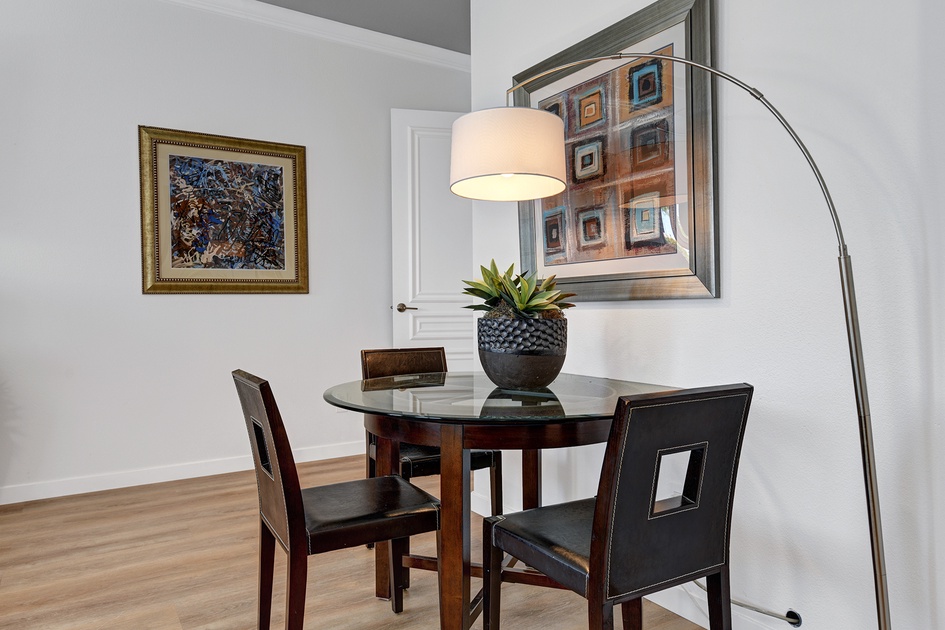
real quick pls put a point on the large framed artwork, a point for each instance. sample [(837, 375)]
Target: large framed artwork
[(221, 214), (638, 218)]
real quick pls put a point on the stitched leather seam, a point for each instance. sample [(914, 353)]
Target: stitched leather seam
[(738, 439), (697, 573), (498, 518), (259, 494), (274, 533), (285, 510), (617, 492), (613, 514), (701, 480)]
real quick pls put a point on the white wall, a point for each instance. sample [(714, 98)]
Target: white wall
[(101, 386), (861, 83)]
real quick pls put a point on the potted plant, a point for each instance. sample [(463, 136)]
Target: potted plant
[(523, 336)]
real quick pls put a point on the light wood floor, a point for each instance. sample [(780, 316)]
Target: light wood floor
[(182, 555)]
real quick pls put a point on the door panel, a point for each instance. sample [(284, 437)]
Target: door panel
[(431, 242)]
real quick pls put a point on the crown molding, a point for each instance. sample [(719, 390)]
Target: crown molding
[(313, 26)]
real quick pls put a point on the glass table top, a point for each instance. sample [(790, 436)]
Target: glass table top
[(464, 396)]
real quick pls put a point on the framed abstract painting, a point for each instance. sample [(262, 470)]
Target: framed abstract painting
[(638, 216), (221, 214)]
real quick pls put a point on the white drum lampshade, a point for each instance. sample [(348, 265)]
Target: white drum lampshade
[(507, 154)]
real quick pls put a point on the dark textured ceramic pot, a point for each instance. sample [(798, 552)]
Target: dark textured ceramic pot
[(521, 353)]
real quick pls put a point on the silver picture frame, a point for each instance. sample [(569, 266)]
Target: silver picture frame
[(698, 275)]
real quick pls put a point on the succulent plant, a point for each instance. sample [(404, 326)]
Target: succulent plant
[(511, 295)]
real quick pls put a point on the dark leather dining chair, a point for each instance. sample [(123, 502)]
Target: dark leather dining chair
[(629, 541), (324, 518), (417, 460)]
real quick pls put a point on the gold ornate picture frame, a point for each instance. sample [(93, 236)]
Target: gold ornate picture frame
[(221, 214)]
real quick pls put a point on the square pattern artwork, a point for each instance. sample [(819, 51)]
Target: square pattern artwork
[(619, 200), (554, 229)]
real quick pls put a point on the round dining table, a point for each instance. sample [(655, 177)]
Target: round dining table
[(459, 411)]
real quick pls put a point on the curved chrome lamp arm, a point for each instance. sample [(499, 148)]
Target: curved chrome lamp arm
[(849, 305)]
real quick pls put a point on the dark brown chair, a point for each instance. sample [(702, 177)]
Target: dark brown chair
[(417, 460), (628, 541), (324, 518)]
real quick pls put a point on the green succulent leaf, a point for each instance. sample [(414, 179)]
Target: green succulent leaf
[(547, 284), (525, 294)]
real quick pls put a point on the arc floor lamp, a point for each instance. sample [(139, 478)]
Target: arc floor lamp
[(517, 154)]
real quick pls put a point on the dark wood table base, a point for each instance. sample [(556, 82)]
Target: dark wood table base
[(458, 412)]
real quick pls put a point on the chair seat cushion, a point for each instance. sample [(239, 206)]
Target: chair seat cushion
[(555, 539), (417, 460), (357, 512), (423, 461)]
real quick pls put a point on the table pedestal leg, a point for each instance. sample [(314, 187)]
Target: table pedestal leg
[(454, 569), (531, 478)]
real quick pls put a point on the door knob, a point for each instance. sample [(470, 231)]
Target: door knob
[(403, 307)]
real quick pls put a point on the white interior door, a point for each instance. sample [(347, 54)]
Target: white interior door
[(431, 239)]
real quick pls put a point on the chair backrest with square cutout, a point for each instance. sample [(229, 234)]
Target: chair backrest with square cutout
[(644, 541), (277, 479)]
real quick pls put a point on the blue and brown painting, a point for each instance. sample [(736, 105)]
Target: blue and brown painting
[(226, 215), (621, 200)]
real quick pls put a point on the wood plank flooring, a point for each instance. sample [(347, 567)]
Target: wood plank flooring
[(182, 555)]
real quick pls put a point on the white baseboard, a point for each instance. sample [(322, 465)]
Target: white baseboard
[(141, 476), (480, 504), (689, 601)]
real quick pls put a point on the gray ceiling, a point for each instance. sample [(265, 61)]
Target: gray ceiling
[(442, 23)]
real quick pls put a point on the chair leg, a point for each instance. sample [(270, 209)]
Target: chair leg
[(491, 578), (297, 568), (397, 573), (600, 617), (267, 548), (720, 600), (369, 464), (632, 613), (495, 479), (405, 550)]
